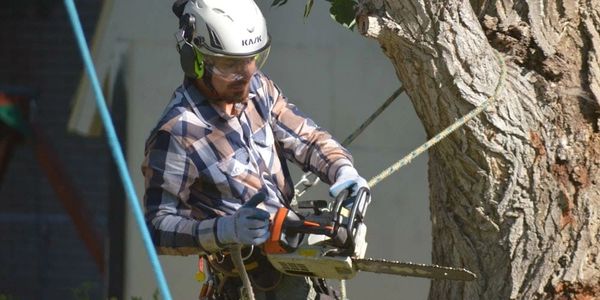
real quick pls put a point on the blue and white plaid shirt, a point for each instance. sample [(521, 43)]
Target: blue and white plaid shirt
[(201, 163)]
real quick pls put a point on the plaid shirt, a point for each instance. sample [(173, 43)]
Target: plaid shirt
[(201, 163)]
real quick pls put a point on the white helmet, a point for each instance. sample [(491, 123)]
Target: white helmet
[(225, 28)]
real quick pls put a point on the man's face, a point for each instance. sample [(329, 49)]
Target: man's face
[(231, 77)]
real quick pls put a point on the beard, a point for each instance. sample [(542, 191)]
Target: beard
[(227, 92), (236, 93)]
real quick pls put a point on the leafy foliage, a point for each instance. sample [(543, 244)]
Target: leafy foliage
[(83, 291), (342, 11), (279, 2), (308, 7)]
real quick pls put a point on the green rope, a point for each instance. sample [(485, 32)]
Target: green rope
[(373, 116), (309, 179), (460, 122)]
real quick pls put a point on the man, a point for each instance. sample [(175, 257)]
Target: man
[(224, 138)]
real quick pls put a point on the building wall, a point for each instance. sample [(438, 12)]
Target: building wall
[(338, 78), (41, 254)]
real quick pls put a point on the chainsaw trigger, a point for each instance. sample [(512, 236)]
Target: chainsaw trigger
[(311, 224)]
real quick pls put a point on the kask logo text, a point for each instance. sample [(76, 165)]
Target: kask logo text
[(253, 41)]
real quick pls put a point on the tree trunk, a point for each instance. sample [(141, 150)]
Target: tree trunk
[(515, 193)]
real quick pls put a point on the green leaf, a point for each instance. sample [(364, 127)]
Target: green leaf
[(342, 11), (308, 7), (279, 2), (82, 292)]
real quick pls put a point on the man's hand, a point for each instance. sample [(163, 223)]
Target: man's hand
[(248, 226), (347, 178)]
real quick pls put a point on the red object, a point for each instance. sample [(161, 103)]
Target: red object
[(53, 170), (68, 195), (9, 137), (273, 244)]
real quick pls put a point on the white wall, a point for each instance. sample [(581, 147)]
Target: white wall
[(334, 75)]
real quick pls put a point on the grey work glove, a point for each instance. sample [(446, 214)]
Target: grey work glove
[(248, 226), (347, 178)]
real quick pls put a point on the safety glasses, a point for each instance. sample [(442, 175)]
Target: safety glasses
[(233, 68)]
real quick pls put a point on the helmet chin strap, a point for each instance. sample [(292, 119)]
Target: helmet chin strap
[(207, 80)]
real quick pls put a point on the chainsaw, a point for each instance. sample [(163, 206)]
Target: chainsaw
[(331, 243)]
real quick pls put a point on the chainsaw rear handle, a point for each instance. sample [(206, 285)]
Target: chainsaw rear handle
[(288, 230), (282, 240)]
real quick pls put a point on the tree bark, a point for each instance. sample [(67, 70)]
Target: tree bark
[(515, 193)]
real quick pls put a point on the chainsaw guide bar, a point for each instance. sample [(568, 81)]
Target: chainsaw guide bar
[(413, 269)]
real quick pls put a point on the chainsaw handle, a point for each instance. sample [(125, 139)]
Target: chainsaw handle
[(283, 238), (359, 207), (337, 208)]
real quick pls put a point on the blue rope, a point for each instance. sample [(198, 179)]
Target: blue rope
[(116, 149)]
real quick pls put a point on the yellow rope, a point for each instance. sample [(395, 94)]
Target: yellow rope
[(408, 158), (238, 262)]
